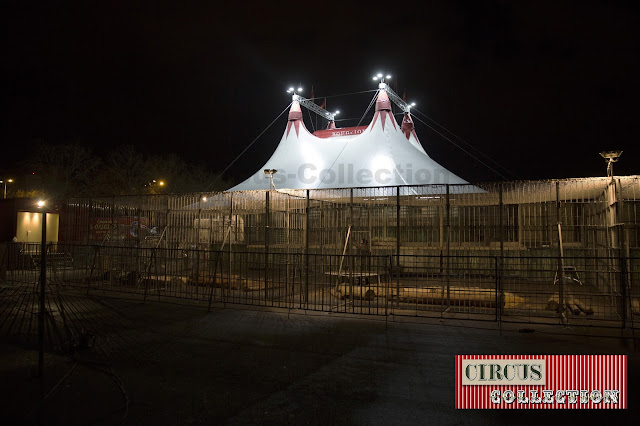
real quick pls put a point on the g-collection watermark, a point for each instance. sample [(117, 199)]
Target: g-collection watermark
[(347, 175)]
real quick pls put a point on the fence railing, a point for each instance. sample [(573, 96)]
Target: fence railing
[(596, 214), (587, 291)]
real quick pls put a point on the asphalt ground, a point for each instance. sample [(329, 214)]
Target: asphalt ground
[(175, 363)]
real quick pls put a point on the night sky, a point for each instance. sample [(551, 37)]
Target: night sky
[(539, 87)]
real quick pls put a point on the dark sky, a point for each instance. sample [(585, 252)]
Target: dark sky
[(540, 87)]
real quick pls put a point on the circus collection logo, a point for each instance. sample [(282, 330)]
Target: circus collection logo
[(541, 381)]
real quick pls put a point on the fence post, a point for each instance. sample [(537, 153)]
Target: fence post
[(560, 254), (386, 293), (352, 263), (448, 247), (500, 261), (230, 234), (624, 254), (306, 253), (214, 281), (266, 244), (623, 284), (501, 217), (112, 233), (96, 250), (43, 283), (622, 259), (495, 268), (139, 219), (148, 280), (89, 221), (398, 226)]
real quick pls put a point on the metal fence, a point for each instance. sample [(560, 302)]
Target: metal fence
[(483, 287), (589, 216)]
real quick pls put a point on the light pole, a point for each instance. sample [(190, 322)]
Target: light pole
[(43, 282), (5, 182)]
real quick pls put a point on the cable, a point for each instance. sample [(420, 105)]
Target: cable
[(350, 118), (346, 94), (311, 120), (464, 150), (249, 146), (463, 141), (368, 108), (345, 145), (60, 381)]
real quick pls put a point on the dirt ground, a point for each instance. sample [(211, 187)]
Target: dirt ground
[(175, 363)]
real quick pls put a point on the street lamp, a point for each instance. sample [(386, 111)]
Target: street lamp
[(269, 173), (153, 184), (5, 182), (610, 157)]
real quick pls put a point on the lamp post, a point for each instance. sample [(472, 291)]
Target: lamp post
[(5, 182), (269, 173), (610, 157), (43, 282)]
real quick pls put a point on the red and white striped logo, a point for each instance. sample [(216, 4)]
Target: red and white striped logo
[(541, 381)]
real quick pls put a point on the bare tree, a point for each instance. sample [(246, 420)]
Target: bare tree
[(67, 170)]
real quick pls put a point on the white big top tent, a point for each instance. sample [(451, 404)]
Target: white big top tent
[(382, 154)]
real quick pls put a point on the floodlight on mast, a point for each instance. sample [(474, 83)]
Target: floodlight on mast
[(395, 98), (331, 116)]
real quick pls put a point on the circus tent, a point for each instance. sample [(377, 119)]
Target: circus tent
[(384, 153)]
